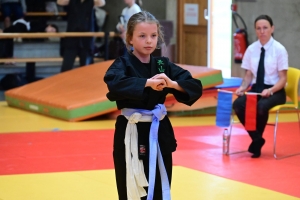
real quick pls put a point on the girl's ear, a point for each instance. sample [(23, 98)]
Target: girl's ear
[(130, 41)]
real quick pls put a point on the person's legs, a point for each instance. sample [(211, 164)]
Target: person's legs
[(17, 10), (69, 56), (85, 57), (2, 48), (263, 107), (168, 162), (6, 13), (120, 172), (9, 48), (239, 107)]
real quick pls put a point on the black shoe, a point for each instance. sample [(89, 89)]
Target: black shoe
[(251, 147), (256, 149)]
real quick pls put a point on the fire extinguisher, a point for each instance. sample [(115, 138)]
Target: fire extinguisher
[(240, 38)]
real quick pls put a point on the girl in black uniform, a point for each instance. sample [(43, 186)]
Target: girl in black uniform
[(139, 83)]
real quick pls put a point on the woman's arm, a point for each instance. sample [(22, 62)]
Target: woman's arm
[(24, 7), (245, 83), (63, 2), (278, 86), (99, 3)]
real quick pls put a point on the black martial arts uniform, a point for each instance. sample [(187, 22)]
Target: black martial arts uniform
[(126, 80), (80, 19)]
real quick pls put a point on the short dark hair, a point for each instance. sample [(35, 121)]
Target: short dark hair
[(55, 27), (265, 17)]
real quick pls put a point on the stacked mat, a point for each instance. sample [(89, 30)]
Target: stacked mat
[(206, 105), (81, 93)]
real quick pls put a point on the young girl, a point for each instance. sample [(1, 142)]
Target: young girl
[(144, 139)]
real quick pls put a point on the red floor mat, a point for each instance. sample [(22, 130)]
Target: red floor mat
[(199, 148), (55, 151)]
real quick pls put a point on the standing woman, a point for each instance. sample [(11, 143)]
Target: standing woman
[(132, 7), (266, 65), (80, 19)]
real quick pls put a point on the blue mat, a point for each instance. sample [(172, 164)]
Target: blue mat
[(230, 83)]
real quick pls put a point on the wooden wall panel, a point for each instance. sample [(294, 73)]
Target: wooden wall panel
[(192, 39), (195, 48)]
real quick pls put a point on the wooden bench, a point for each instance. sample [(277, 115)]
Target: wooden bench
[(60, 35), (31, 62), (43, 14), (26, 60)]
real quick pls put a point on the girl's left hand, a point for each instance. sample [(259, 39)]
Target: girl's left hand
[(169, 82)]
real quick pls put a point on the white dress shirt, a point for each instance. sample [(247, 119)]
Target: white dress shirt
[(276, 59), (127, 13)]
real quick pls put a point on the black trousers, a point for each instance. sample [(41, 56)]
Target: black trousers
[(263, 107), (69, 55), (120, 172), (6, 48)]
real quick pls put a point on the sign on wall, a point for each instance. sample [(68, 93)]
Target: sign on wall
[(191, 14)]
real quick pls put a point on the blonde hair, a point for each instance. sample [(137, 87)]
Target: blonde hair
[(147, 17)]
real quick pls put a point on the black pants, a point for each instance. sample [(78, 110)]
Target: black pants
[(262, 113), (6, 48), (120, 172), (69, 55)]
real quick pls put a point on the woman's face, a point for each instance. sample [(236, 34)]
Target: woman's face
[(129, 2), (263, 30)]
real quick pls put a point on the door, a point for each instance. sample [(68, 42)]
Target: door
[(192, 39)]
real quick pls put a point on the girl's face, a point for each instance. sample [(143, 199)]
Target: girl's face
[(263, 30), (144, 39)]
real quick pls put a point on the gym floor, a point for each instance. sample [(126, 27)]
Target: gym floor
[(43, 158)]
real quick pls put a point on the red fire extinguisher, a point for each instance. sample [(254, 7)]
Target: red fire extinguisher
[(240, 38), (240, 45)]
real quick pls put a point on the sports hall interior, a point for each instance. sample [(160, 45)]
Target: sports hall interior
[(50, 153)]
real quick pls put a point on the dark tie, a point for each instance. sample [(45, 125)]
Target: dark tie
[(260, 72)]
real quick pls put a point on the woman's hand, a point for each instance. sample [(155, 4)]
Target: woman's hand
[(99, 3), (63, 2), (240, 91), (121, 28), (266, 93)]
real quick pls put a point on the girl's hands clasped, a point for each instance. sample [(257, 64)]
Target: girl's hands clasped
[(156, 84), (160, 81), (169, 82)]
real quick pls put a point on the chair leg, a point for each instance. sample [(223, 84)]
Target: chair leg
[(275, 136)]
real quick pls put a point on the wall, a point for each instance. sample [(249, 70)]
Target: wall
[(286, 19), (115, 7), (171, 14)]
